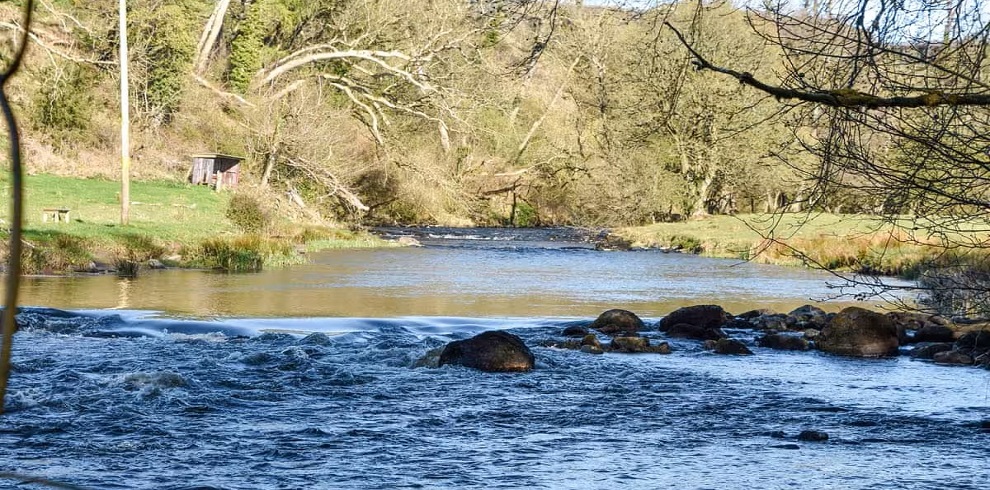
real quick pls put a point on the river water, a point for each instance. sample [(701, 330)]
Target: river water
[(307, 377)]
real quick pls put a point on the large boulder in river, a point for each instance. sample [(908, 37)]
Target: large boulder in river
[(494, 351), (618, 321), (859, 332), (704, 316)]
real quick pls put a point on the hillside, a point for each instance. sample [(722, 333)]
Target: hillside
[(430, 112)]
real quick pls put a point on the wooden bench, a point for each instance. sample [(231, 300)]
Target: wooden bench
[(55, 214)]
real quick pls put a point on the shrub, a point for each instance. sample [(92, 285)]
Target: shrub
[(64, 101), (248, 253), (248, 213)]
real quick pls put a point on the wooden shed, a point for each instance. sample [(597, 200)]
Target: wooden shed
[(216, 170)]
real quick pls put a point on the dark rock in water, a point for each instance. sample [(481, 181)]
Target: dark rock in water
[(494, 351), (629, 344), (979, 339), (985, 426), (786, 446), (807, 312), (703, 316), (618, 321), (812, 436), (316, 338), (920, 323), (591, 340), (929, 351), (592, 349), (859, 332), (429, 360), (953, 357), (728, 347), (686, 331), (637, 345), (738, 324), (783, 342), (751, 314), (575, 331), (774, 322), (934, 333)]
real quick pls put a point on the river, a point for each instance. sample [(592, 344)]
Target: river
[(306, 377)]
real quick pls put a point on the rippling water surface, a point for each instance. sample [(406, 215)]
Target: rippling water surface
[(281, 399)]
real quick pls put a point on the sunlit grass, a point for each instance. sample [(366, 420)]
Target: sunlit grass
[(836, 242), (180, 224)]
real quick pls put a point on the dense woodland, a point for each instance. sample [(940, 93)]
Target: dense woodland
[(442, 111)]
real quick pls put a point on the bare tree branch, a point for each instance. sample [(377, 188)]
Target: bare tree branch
[(838, 97)]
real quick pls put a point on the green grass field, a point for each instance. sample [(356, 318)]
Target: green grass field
[(168, 211), (168, 220)]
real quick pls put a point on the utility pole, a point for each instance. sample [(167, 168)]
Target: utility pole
[(125, 126)]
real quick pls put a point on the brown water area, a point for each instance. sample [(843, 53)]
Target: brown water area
[(488, 274)]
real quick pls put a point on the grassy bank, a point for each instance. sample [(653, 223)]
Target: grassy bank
[(176, 223), (836, 242)]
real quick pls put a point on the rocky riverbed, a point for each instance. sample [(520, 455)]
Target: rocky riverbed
[(852, 332)]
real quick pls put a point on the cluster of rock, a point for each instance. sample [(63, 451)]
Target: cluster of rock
[(854, 331)]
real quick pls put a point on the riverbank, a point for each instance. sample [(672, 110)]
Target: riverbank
[(73, 225), (848, 243)]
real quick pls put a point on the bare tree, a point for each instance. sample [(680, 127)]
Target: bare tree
[(893, 99)]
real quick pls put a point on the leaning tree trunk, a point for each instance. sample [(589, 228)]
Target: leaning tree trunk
[(210, 34)]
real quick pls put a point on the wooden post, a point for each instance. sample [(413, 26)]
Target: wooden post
[(125, 106)]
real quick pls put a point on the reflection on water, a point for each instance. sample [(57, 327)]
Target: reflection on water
[(451, 277), (123, 294)]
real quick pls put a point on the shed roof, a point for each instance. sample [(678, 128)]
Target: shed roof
[(216, 156)]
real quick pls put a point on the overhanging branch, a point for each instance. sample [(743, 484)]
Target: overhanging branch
[(838, 97)]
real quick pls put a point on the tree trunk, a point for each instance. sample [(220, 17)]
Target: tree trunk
[(210, 34), (269, 166)]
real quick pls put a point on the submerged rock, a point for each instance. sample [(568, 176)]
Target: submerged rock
[(728, 347), (429, 360), (575, 331), (618, 321), (859, 332), (812, 436), (751, 314), (929, 351), (703, 316), (494, 351), (934, 333), (687, 331), (590, 340), (592, 349), (637, 345), (783, 342), (953, 357)]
